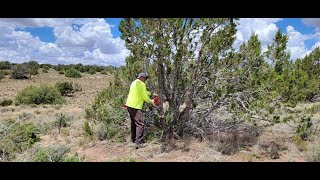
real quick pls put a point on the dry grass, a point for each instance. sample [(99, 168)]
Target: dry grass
[(102, 151)]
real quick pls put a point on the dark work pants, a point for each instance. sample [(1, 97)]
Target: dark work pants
[(137, 125)]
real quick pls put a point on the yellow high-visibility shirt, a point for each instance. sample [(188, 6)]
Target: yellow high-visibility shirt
[(138, 94)]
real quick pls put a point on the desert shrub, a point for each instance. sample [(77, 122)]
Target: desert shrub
[(73, 73), (15, 138), (57, 153), (91, 71), (39, 95), (300, 143), (44, 70), (104, 72), (64, 121), (87, 129), (6, 102), (19, 71), (101, 131), (107, 108), (313, 153), (5, 65), (233, 137), (32, 68), (3, 72), (61, 72), (304, 129), (65, 88), (77, 87)]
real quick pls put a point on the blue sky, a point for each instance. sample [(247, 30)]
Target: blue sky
[(97, 41)]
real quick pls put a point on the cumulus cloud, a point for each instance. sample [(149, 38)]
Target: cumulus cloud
[(265, 28), (86, 41), (296, 44)]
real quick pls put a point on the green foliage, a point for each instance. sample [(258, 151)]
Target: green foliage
[(92, 71), (43, 94), (19, 71), (44, 70), (4, 72), (107, 109), (87, 129), (65, 88), (57, 153), (5, 65), (304, 128), (32, 67), (6, 102), (101, 131), (16, 138), (61, 72), (73, 73)]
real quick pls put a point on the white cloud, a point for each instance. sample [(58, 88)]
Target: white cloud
[(296, 44), (265, 28), (86, 41)]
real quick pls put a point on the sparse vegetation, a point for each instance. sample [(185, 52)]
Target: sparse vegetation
[(57, 153), (87, 129), (6, 102), (15, 138), (313, 153), (65, 120)]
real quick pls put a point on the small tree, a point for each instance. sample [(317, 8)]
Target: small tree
[(33, 67), (19, 71)]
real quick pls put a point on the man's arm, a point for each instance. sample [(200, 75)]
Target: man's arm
[(144, 93)]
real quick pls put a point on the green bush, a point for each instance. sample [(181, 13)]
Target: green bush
[(39, 95), (16, 137), (107, 108), (73, 73), (44, 70), (61, 72), (92, 71), (57, 153), (5, 65), (6, 102), (104, 72), (19, 71), (65, 88)]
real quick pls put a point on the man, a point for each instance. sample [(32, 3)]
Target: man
[(138, 94)]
